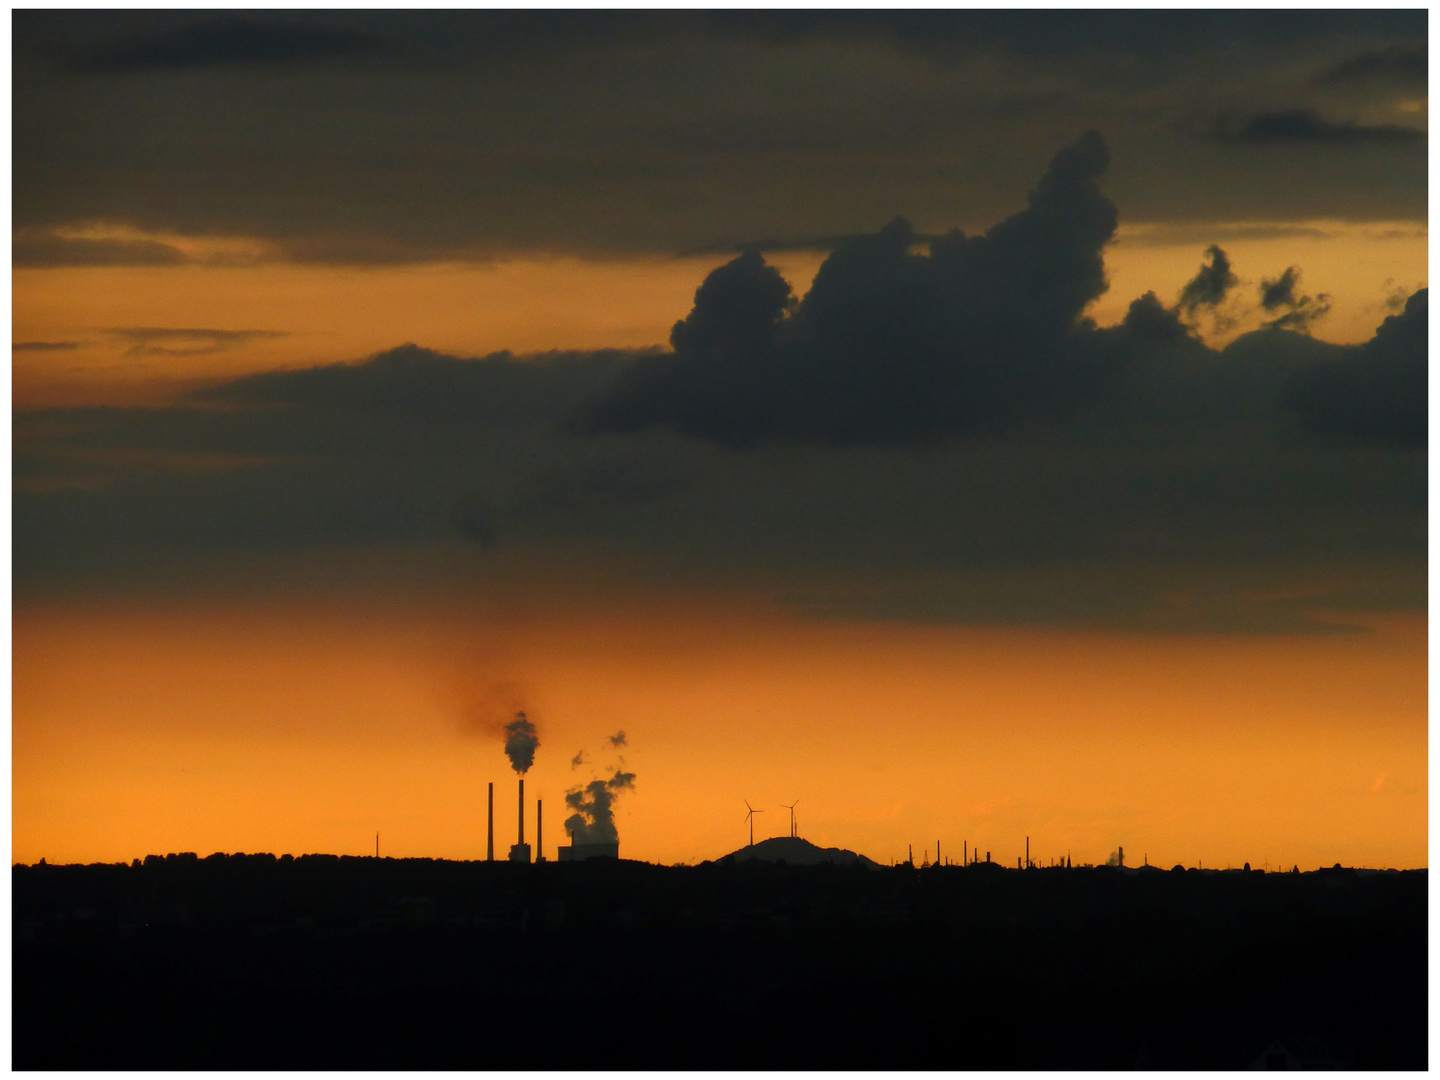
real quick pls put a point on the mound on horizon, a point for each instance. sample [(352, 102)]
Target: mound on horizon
[(798, 852)]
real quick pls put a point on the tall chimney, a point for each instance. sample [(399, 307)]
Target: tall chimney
[(539, 839), (1027, 853), (522, 811), (490, 827)]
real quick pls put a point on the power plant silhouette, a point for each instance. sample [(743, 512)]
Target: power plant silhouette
[(591, 827), (520, 851)]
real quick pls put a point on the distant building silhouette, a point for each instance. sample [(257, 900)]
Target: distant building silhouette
[(580, 852)]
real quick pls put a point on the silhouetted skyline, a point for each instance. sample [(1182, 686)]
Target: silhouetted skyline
[(981, 425)]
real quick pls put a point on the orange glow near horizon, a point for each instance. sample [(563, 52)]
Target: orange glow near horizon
[(305, 727)]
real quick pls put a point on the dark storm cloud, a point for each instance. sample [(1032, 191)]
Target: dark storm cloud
[(1379, 391), (1055, 33), (1209, 287), (1149, 323), (1307, 126), (226, 41), (1397, 64), (1130, 477), (472, 134), (1183, 479), (890, 345), (602, 480), (112, 42)]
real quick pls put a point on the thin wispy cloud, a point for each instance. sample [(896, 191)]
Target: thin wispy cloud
[(183, 341)]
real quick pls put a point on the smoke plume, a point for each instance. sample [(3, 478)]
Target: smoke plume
[(618, 739), (520, 743), (593, 821)]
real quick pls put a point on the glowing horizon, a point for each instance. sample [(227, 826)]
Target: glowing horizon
[(961, 734)]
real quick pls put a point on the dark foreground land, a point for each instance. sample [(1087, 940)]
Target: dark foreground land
[(249, 962)]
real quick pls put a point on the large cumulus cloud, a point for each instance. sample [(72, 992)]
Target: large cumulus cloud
[(977, 334), (890, 344)]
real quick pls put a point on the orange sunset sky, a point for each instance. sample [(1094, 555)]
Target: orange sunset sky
[(955, 537)]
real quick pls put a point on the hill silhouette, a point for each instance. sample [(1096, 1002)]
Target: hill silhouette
[(793, 851)]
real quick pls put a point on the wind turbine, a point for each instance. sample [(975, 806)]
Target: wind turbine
[(750, 820), (791, 808)]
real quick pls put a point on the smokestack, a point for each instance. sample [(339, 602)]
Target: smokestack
[(1027, 853), (539, 839), (490, 827), (1122, 857), (522, 811)]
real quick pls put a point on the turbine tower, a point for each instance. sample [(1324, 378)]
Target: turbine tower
[(791, 808), (750, 820)]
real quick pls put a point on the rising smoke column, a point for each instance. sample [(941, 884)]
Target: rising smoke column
[(520, 743), (594, 819)]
